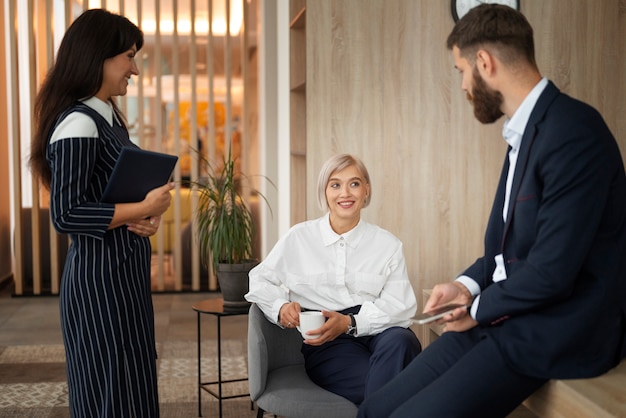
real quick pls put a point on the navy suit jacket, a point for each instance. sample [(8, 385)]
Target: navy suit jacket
[(561, 311)]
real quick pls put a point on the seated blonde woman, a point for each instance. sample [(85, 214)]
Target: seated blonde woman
[(352, 271)]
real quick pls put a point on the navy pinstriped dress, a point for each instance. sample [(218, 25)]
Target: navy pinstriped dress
[(107, 317)]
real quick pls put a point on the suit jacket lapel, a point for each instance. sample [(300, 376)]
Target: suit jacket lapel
[(528, 139), (494, 233)]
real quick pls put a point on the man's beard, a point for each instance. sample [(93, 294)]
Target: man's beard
[(487, 102)]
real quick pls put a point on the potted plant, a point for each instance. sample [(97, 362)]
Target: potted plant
[(225, 229)]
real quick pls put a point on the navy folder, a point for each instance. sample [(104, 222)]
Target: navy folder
[(136, 172)]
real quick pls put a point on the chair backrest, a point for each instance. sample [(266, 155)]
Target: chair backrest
[(269, 347)]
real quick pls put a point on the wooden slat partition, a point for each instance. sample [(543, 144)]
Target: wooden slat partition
[(6, 253), (53, 242), (13, 96), (159, 133), (212, 131), (195, 270), (177, 175), (146, 100), (32, 90)]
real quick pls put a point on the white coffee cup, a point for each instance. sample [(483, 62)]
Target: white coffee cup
[(310, 320)]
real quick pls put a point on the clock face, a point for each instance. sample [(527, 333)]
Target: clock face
[(461, 7)]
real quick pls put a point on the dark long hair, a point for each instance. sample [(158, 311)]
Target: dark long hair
[(96, 35)]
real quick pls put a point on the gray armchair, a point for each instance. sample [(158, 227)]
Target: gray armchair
[(277, 378)]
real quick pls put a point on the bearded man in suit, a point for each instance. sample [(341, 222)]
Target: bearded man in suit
[(547, 298)]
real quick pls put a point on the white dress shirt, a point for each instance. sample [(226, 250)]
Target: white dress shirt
[(512, 131), (320, 269)]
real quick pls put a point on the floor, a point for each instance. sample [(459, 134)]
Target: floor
[(29, 323), (32, 369), (35, 320)]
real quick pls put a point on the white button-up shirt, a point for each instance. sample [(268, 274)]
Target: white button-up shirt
[(512, 131), (320, 269)]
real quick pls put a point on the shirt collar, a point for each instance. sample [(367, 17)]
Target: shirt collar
[(514, 127), (330, 237), (105, 109)]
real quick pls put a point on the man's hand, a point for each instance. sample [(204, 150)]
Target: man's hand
[(461, 324), (447, 293), (454, 292)]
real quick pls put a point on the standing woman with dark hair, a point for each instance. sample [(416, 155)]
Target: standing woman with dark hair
[(107, 317)]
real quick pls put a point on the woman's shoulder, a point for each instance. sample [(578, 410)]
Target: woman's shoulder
[(380, 233), (304, 227), (305, 231), (74, 123)]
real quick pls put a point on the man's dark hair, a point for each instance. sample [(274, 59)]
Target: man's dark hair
[(501, 29)]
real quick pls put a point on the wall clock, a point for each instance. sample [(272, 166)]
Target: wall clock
[(461, 7)]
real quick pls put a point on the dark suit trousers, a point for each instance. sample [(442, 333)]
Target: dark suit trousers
[(459, 375)]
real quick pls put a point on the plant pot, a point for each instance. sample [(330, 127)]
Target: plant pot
[(234, 283)]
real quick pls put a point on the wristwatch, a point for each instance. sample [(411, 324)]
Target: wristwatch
[(352, 327)]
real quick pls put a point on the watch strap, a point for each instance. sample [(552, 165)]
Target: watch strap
[(352, 327)]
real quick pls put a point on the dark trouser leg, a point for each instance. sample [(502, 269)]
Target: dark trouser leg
[(391, 351), (339, 366), (352, 367), (459, 375)]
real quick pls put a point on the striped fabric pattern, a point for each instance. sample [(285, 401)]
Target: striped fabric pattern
[(106, 308)]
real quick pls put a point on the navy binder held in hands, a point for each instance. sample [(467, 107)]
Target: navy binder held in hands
[(136, 172)]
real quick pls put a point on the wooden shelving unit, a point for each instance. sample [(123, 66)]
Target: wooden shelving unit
[(297, 48)]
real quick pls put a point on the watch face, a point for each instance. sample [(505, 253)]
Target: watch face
[(461, 7)]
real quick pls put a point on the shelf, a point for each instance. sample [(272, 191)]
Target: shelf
[(294, 153), (299, 20), (297, 83), (298, 189), (297, 51), (299, 87)]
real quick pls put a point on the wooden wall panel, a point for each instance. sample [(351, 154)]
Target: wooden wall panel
[(381, 84)]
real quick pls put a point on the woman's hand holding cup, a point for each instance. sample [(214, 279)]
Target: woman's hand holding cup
[(311, 321), (289, 315)]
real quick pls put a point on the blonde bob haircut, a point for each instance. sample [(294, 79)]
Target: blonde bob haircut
[(333, 165)]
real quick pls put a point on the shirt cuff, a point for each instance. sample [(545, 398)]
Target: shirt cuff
[(362, 325), (470, 283), (474, 289), (474, 307)]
